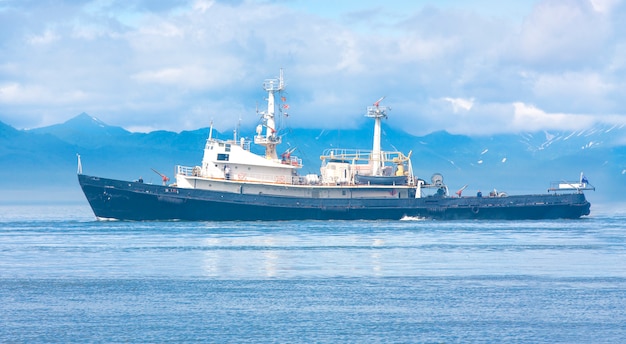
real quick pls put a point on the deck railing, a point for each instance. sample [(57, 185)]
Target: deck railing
[(350, 155)]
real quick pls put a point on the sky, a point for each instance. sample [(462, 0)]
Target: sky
[(477, 67)]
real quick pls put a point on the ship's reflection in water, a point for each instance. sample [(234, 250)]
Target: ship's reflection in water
[(290, 255), (312, 249)]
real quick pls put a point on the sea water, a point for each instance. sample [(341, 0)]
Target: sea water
[(67, 278)]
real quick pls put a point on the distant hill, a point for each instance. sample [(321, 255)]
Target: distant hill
[(84, 131), (45, 158)]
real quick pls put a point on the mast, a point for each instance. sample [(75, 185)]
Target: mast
[(80, 165), (270, 140), (377, 112)]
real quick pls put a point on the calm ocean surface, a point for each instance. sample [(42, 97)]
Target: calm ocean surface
[(67, 278)]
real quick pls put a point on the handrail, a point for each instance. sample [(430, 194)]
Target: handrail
[(570, 186), (361, 155)]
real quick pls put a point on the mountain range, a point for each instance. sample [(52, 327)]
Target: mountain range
[(40, 164)]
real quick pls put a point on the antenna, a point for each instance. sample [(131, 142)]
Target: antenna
[(80, 165), (237, 130), (378, 101)]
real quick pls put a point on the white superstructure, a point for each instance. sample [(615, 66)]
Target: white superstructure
[(230, 166)]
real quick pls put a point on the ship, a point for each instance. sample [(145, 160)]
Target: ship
[(233, 183)]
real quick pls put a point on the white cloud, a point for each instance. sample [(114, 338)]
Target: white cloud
[(162, 29), (184, 77), (604, 6), (202, 5), (582, 91), (46, 37), (530, 118), (459, 104), (456, 67), (10, 93), (562, 31), (13, 93), (350, 54)]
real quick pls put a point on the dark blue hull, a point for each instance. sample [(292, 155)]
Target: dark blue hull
[(123, 200)]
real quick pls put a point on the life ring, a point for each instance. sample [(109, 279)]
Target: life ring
[(241, 176), (475, 209)]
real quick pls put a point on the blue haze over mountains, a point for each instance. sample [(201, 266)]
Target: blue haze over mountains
[(40, 164)]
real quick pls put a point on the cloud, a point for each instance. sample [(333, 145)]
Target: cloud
[(604, 6), (531, 118), (582, 89), (563, 32), (46, 37), (469, 116), (14, 93), (460, 104), (175, 65)]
